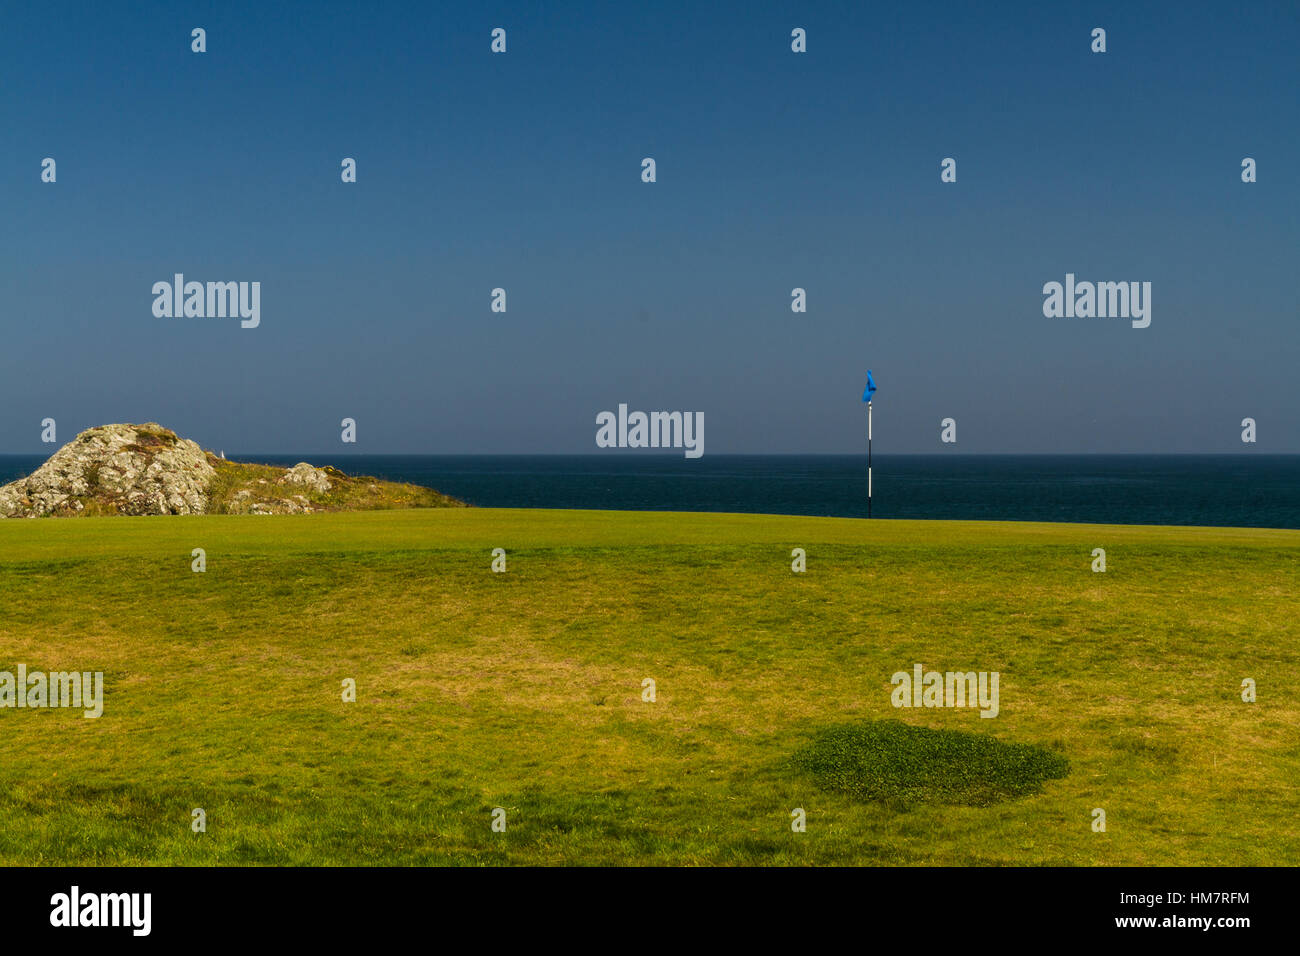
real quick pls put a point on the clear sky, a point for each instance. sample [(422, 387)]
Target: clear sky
[(775, 170)]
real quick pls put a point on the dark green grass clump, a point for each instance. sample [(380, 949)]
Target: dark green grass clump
[(893, 762)]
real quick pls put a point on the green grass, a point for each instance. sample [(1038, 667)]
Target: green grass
[(523, 690), (895, 763)]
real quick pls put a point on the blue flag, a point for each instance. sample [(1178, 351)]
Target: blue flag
[(870, 389)]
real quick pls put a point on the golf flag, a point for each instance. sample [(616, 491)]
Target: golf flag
[(870, 389), (866, 397)]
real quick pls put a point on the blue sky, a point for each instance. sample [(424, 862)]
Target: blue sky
[(775, 170)]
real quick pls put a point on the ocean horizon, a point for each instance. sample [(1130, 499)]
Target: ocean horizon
[(1251, 490)]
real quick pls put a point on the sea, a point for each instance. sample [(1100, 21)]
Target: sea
[(1243, 490)]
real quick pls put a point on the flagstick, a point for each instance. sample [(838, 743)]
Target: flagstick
[(868, 459)]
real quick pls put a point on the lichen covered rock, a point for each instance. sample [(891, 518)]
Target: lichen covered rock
[(304, 474), (124, 469)]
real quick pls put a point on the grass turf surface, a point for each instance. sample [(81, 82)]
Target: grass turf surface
[(522, 690), (898, 764)]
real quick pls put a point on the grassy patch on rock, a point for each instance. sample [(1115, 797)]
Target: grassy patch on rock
[(243, 488)]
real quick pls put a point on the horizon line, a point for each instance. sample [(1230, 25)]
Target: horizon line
[(676, 454)]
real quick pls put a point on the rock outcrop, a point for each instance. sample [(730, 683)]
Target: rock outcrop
[(149, 470), (129, 469), (304, 474)]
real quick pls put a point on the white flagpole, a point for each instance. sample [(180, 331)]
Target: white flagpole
[(868, 459)]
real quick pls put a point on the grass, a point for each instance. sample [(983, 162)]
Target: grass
[(523, 690), (896, 763), (237, 487)]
